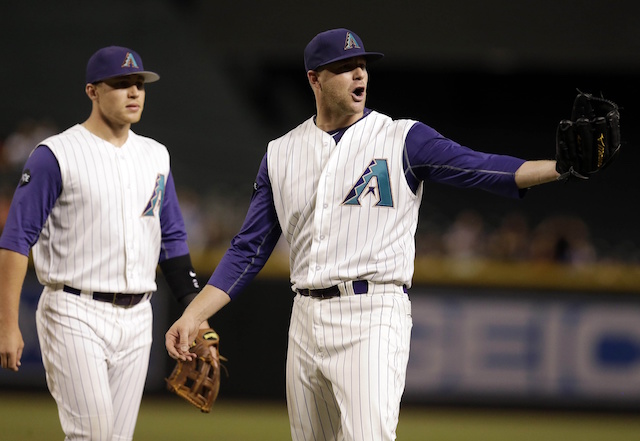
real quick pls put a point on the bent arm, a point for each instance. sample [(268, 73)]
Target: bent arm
[(532, 173)]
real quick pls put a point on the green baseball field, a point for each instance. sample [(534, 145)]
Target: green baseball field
[(28, 416)]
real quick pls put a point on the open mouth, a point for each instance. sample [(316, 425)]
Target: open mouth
[(358, 92)]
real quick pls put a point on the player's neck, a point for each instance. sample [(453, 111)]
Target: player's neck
[(329, 121), (116, 134)]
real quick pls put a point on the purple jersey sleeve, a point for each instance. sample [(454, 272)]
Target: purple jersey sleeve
[(38, 191), (35, 196), (255, 242), (174, 234), (431, 156)]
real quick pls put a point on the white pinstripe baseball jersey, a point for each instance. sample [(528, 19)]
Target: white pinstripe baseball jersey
[(103, 234), (367, 234), (347, 202)]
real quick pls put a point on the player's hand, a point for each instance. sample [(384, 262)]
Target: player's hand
[(179, 337), (11, 346), (213, 350), (183, 332)]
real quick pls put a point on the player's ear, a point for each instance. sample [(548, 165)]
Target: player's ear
[(90, 90), (312, 76)]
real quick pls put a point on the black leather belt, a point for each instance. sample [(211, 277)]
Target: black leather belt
[(115, 298), (359, 287)]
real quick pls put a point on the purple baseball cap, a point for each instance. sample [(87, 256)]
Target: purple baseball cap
[(334, 45), (115, 61)]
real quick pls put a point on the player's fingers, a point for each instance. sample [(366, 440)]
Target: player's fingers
[(177, 342), (171, 341), (9, 361), (183, 345), (14, 362)]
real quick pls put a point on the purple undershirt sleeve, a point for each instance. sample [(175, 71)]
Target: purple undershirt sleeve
[(174, 234), (255, 242), (431, 156), (35, 196)]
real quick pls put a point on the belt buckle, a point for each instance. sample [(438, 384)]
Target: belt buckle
[(131, 298), (327, 295), (114, 298)]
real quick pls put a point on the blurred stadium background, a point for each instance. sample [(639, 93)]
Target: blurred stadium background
[(529, 305)]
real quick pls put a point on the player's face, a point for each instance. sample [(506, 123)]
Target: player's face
[(121, 99), (344, 86)]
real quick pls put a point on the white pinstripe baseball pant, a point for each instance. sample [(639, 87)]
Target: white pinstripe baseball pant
[(96, 358), (346, 366)]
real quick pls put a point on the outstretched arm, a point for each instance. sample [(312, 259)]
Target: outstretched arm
[(533, 173)]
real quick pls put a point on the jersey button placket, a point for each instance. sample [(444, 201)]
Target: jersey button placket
[(126, 211), (322, 215)]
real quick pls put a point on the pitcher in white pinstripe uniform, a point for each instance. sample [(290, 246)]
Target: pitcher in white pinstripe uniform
[(97, 205), (344, 188)]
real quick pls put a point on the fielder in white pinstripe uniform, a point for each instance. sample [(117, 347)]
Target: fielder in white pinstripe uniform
[(344, 188), (97, 206)]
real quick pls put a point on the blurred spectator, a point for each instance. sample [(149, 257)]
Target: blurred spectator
[(562, 239), (556, 239), (3, 161), (212, 219), (224, 216), (19, 144), (465, 238), (510, 241), (6, 194), (194, 218), (14, 152), (429, 239)]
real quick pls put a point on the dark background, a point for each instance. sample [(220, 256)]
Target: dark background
[(494, 75)]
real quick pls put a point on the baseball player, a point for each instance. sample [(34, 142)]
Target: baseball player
[(97, 206), (344, 188)]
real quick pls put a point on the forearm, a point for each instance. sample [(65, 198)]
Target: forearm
[(209, 301), (181, 278), (533, 173), (13, 269)]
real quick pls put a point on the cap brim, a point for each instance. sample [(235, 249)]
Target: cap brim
[(370, 56), (149, 77)]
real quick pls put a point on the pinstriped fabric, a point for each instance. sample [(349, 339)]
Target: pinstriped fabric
[(98, 393), (103, 234), (351, 354), (347, 213), (96, 237), (331, 241)]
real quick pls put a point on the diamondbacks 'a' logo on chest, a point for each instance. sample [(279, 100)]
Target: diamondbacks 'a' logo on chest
[(154, 206), (373, 183)]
